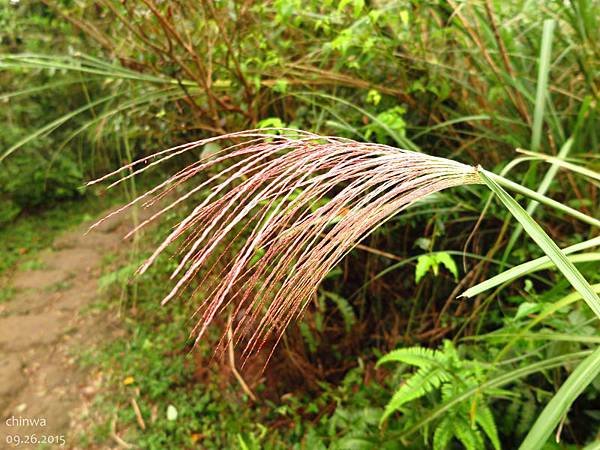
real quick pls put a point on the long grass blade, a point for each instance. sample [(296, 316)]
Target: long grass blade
[(525, 268), (536, 336), (542, 83), (541, 190), (558, 162), (51, 126), (560, 403), (402, 141), (505, 182), (548, 311), (540, 237), (82, 64)]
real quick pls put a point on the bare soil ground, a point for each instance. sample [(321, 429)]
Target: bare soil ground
[(45, 327)]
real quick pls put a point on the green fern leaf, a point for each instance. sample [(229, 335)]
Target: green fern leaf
[(443, 435), (309, 338), (415, 356), (423, 381), (469, 437), (485, 419), (344, 308), (451, 390), (528, 413)]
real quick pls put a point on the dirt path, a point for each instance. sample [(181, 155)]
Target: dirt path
[(44, 328)]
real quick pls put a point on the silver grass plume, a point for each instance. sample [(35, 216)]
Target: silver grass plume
[(279, 214)]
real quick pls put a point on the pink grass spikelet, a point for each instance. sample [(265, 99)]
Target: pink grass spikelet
[(278, 213)]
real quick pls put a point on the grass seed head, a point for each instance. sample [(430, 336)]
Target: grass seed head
[(278, 213)]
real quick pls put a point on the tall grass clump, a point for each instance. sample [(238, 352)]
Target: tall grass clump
[(282, 210)]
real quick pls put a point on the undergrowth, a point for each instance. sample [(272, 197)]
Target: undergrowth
[(189, 398)]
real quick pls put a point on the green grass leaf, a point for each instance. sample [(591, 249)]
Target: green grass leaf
[(542, 189), (557, 407), (542, 83), (516, 187), (557, 162), (540, 237), (531, 266)]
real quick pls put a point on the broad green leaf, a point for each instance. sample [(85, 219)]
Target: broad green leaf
[(432, 261), (527, 308), (446, 260), (423, 264)]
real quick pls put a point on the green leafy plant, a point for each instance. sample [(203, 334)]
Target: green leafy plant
[(432, 262), (444, 372)]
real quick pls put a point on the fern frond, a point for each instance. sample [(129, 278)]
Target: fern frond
[(450, 390), (485, 419), (422, 382), (414, 356), (528, 413), (443, 434), (345, 309), (469, 437)]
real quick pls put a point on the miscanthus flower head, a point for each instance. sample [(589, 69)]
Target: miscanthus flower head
[(278, 212)]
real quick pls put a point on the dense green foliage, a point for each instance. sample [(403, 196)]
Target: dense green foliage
[(87, 86)]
